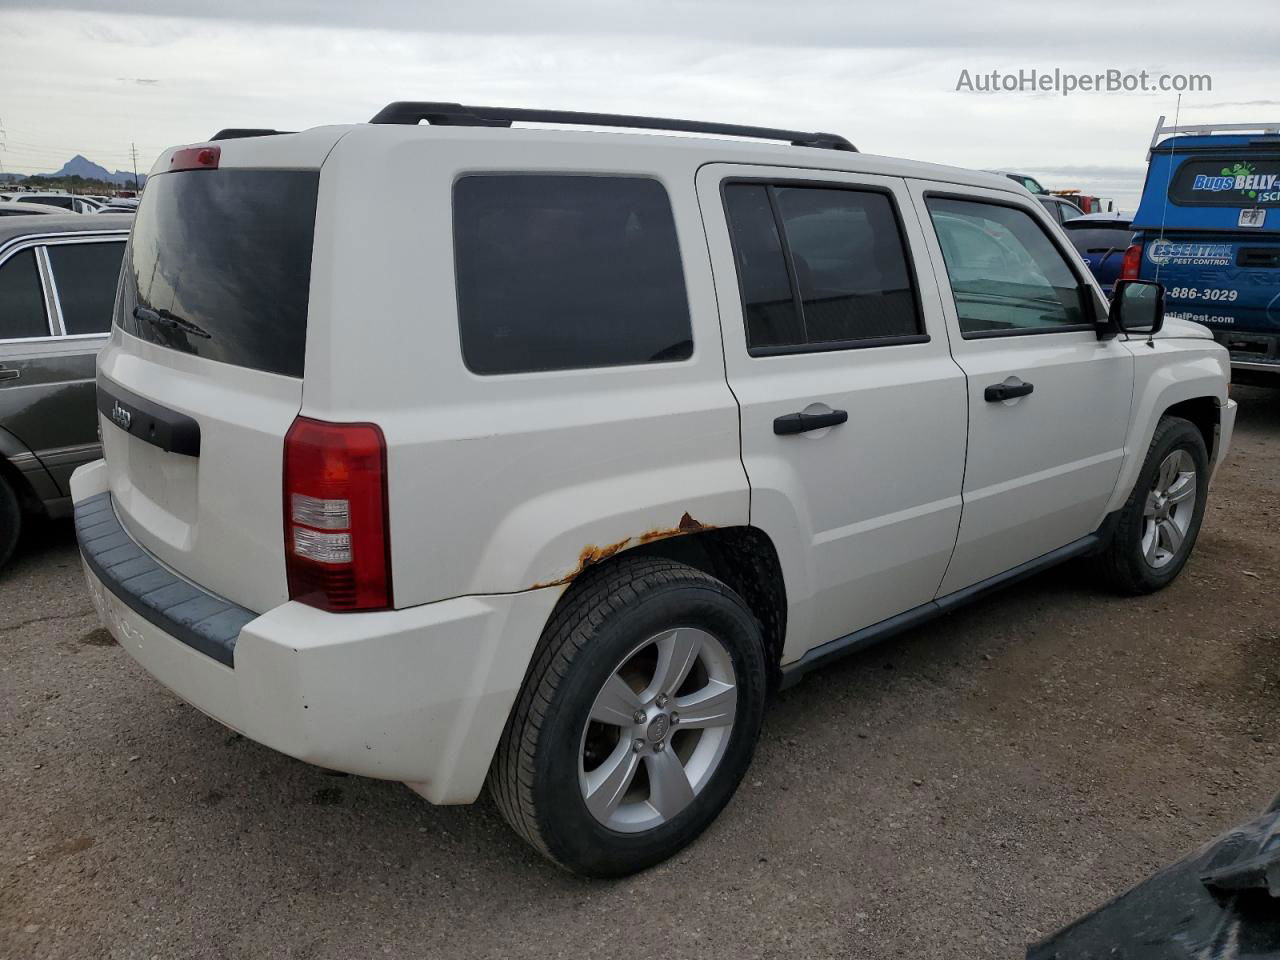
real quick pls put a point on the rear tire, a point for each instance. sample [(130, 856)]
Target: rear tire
[(1159, 523), (10, 521), (596, 768)]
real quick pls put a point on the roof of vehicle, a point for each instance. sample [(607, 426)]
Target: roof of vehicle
[(13, 228), (1202, 143), (311, 147), (37, 209)]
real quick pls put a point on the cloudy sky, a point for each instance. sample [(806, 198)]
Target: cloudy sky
[(94, 76)]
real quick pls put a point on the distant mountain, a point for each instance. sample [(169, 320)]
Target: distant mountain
[(81, 166)]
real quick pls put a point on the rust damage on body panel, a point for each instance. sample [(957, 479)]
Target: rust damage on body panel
[(592, 554)]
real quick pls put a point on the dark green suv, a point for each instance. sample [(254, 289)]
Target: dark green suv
[(58, 278)]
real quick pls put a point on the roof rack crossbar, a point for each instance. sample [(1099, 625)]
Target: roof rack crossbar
[(456, 114), (1205, 128)]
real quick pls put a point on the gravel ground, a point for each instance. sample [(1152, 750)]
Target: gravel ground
[(958, 792)]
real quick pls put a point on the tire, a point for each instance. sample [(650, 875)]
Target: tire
[(1134, 562), (627, 624), (10, 521)]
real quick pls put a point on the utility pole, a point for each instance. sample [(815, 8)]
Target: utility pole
[(133, 152), (3, 146)]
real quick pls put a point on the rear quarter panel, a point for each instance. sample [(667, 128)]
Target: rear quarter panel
[(503, 483)]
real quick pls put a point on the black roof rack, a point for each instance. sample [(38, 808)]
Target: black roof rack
[(236, 133), (458, 115)]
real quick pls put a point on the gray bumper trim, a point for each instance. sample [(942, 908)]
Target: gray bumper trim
[(202, 621)]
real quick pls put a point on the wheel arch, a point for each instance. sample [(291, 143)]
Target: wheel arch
[(13, 452), (1194, 388), (742, 557)]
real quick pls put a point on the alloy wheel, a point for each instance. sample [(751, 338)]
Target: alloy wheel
[(658, 729)]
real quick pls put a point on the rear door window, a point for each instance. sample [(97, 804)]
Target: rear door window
[(1099, 239), (567, 272), (85, 276), (820, 268), (219, 266), (22, 311)]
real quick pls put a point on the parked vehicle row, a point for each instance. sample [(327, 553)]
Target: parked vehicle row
[(544, 467), (73, 203), (11, 204), (58, 277)]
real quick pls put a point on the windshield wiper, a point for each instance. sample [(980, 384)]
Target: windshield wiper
[(164, 318)]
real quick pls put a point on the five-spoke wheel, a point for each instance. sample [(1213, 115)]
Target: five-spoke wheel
[(658, 729), (637, 720)]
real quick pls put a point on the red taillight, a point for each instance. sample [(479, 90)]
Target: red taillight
[(1132, 262), (195, 158), (337, 547)]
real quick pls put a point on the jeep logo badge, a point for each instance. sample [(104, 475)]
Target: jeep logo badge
[(121, 416)]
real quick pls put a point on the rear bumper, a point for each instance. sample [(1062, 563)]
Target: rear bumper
[(419, 695), (1251, 352)]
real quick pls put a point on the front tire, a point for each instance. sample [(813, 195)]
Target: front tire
[(637, 720), (1159, 523)]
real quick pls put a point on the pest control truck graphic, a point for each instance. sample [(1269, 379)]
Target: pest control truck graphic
[(1208, 228)]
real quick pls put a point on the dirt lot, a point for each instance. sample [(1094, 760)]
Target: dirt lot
[(958, 792)]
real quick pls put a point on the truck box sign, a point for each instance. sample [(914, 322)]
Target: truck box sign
[(1251, 182), (1184, 254)]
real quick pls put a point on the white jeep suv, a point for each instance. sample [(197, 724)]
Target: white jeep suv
[(453, 453)]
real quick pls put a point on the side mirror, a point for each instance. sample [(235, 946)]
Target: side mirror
[(1137, 306)]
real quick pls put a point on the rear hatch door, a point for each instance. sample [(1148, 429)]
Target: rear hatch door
[(202, 376)]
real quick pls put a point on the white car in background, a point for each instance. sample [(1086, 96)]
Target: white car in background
[(543, 468), (63, 201), (17, 208)]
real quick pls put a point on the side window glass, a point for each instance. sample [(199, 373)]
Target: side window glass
[(566, 272), (85, 276), (820, 268), (1006, 274), (21, 299), (772, 317)]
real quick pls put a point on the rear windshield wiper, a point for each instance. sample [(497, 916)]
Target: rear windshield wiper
[(164, 318)]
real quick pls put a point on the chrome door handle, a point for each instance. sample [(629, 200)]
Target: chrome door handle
[(6, 374)]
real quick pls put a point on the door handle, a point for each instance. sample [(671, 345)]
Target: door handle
[(1011, 388), (804, 422), (6, 374)]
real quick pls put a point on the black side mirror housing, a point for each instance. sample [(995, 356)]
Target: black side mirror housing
[(1137, 306)]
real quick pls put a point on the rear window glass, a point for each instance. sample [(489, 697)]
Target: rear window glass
[(21, 300), (85, 276), (219, 265), (1240, 181), (564, 272), (1098, 239)]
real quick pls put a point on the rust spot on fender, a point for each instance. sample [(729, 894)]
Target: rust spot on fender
[(592, 554)]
